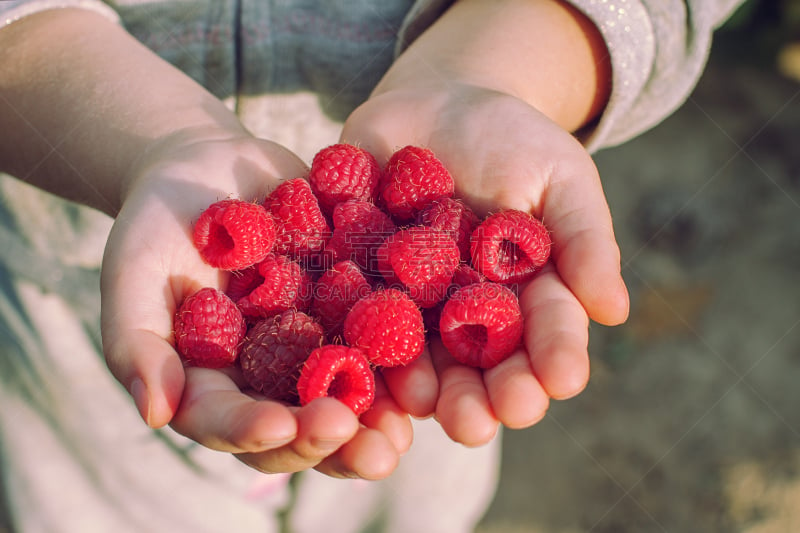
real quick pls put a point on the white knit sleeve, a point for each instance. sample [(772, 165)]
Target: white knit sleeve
[(658, 50)]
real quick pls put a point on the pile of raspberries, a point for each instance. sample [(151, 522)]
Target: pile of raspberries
[(339, 274)]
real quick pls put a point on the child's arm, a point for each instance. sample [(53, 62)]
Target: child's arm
[(495, 88), (82, 101), (91, 115)]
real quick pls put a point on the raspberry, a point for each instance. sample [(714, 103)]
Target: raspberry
[(233, 234), (387, 326), (413, 178), (422, 261), (281, 284), (359, 228), (335, 293), (510, 246), (453, 217), (463, 276), (481, 324), (242, 282), (208, 329), (274, 350), (302, 228), (339, 372), (342, 172)]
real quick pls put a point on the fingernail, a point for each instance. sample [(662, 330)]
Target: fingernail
[(272, 444), (327, 445), (142, 399)]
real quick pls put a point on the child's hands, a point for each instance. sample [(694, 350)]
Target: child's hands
[(503, 153), (150, 266)]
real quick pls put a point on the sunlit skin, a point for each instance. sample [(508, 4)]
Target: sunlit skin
[(80, 121)]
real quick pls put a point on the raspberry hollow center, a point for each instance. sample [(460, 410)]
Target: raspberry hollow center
[(341, 385), (511, 253), (221, 239), (476, 335)]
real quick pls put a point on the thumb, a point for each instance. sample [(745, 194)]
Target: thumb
[(148, 367), (138, 300)]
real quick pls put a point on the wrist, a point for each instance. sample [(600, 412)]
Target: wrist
[(543, 52), (191, 169), (174, 155)]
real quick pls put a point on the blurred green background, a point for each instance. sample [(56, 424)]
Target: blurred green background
[(760, 32)]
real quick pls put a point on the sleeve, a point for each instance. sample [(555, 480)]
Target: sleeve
[(12, 11), (658, 50), (420, 17)]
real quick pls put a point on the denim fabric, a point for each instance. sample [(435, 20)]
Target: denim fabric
[(337, 49)]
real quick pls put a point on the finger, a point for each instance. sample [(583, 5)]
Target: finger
[(323, 427), (463, 408), (216, 414), (414, 386), (389, 418), (137, 332), (556, 335), (518, 399), (138, 301), (584, 247), (150, 369), (369, 455)]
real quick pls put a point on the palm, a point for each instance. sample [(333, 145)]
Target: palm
[(150, 266), (504, 154)]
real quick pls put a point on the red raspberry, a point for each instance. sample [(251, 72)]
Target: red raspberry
[(481, 324), (335, 293), (302, 228), (359, 228), (453, 217), (387, 326), (339, 372), (413, 178), (242, 282), (510, 246), (342, 172), (283, 285), (233, 234), (420, 260), (463, 276), (208, 329), (274, 351)]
